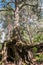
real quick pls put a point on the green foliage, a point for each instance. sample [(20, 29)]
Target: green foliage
[(0, 46), (10, 10), (24, 64), (38, 38), (34, 50), (24, 35), (39, 57)]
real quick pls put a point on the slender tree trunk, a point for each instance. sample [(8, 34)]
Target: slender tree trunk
[(16, 22), (29, 32)]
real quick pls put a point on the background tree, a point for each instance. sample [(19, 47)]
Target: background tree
[(25, 26)]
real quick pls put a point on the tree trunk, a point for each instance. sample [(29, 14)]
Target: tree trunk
[(16, 22)]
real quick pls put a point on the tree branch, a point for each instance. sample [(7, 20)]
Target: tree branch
[(26, 5), (7, 10)]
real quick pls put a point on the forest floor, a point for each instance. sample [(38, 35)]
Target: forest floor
[(36, 62), (38, 56)]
